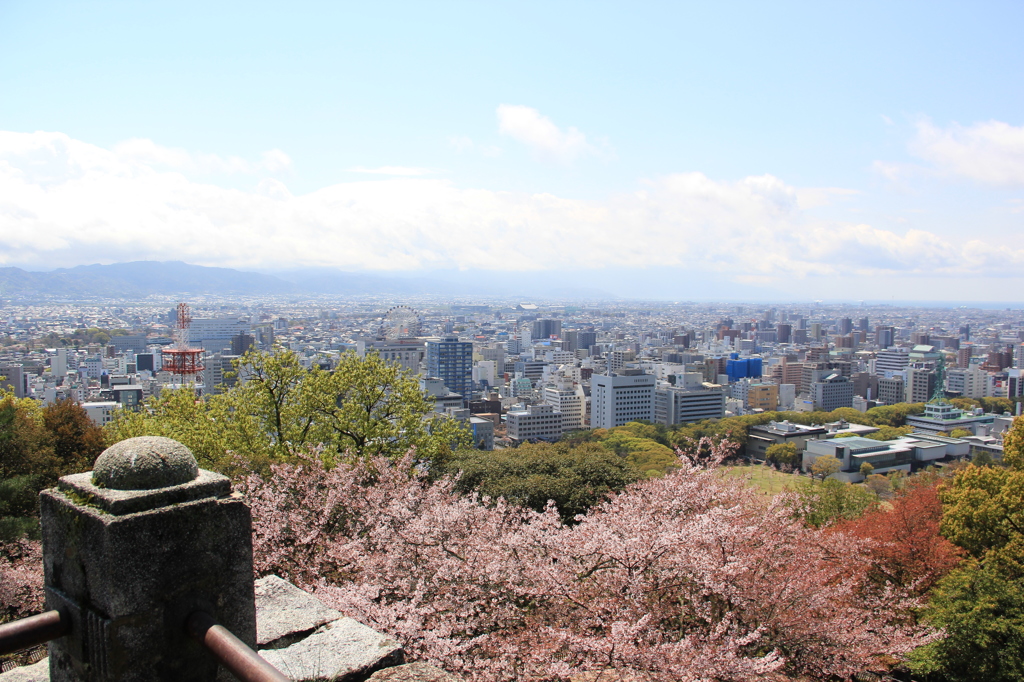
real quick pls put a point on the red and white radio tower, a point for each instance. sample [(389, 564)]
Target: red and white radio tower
[(180, 359)]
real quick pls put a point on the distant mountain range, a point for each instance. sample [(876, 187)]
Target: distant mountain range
[(143, 278)]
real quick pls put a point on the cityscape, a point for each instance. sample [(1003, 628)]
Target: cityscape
[(511, 342), (523, 371)]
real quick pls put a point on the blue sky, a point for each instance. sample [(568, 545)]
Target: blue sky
[(686, 148)]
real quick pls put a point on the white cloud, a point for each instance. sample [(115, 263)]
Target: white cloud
[(991, 152), (391, 170), (64, 202), (465, 144), (538, 132), (149, 153)]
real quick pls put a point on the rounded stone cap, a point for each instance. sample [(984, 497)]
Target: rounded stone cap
[(145, 463)]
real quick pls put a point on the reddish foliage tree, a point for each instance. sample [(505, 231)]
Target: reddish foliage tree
[(77, 442), (686, 577), (905, 547)]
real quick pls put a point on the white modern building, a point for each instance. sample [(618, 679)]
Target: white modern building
[(891, 361), (570, 401), (617, 399), (536, 422), (690, 400)]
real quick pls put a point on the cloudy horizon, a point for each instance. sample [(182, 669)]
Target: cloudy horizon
[(915, 184)]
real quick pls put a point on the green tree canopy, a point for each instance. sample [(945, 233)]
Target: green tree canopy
[(781, 453), (980, 605), (832, 500), (574, 478), (364, 407)]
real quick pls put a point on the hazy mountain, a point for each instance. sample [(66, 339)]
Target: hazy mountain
[(141, 278)]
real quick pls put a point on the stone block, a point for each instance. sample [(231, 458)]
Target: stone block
[(130, 578), (413, 672), (341, 650), (285, 614), (37, 672)]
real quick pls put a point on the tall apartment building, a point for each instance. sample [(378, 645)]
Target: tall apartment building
[(132, 344), (451, 361), (620, 398), (219, 373), (241, 343), (570, 401)]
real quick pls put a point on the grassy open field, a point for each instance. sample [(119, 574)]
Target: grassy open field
[(766, 479)]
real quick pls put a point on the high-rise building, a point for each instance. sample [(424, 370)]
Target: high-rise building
[(885, 336), (451, 361), (133, 344), (832, 392), (891, 390), (920, 384), (784, 333), (889, 361), (570, 401), (617, 399), (241, 343), (546, 329)]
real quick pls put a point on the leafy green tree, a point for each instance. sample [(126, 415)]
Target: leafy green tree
[(637, 444), (832, 500), (890, 432), (983, 458), (781, 453), (825, 466), (37, 446), (980, 605), (364, 407), (893, 415), (866, 469), (960, 433), (574, 478)]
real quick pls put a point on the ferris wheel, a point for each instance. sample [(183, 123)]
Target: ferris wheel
[(400, 322)]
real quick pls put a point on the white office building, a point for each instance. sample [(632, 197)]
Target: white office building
[(889, 362), (617, 399), (536, 422), (570, 401), (689, 402)]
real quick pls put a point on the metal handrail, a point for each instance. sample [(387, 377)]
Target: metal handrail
[(233, 653), (21, 634)]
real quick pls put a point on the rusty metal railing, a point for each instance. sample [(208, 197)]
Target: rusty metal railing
[(231, 652), (21, 634)]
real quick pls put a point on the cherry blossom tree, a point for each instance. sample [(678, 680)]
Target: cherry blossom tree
[(21, 579), (686, 577)]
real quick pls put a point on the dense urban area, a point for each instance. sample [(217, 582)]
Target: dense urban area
[(883, 434), (524, 372)]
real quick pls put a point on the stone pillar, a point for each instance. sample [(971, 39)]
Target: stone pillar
[(130, 550)]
